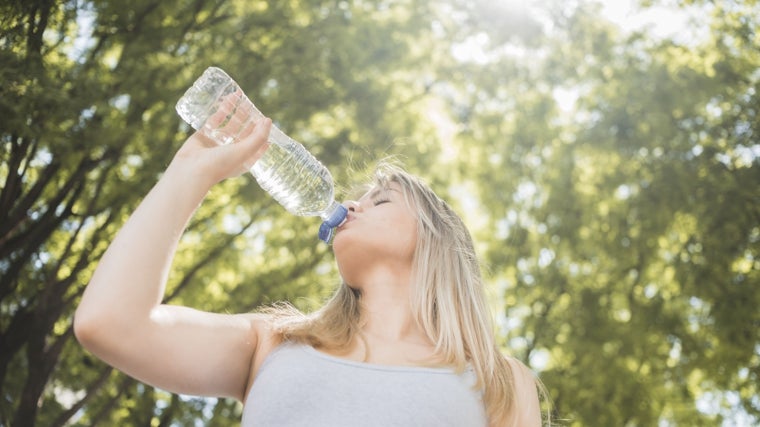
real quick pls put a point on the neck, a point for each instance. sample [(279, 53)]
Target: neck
[(390, 333), (387, 315)]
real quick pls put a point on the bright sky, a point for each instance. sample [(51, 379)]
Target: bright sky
[(665, 21)]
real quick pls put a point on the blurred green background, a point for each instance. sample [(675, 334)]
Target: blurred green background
[(606, 157)]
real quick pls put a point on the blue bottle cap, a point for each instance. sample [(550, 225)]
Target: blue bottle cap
[(335, 219)]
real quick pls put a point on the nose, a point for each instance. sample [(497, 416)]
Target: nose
[(352, 206)]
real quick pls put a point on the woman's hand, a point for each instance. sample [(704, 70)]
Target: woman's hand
[(212, 162)]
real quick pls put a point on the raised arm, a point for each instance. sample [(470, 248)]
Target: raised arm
[(121, 319)]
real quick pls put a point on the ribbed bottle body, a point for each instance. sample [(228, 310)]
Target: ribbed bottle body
[(297, 180)]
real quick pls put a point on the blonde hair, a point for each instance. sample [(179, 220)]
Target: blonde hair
[(449, 299)]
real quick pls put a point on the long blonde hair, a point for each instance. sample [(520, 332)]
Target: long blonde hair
[(449, 299)]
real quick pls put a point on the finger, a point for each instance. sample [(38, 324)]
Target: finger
[(250, 148), (234, 116), (246, 130), (259, 137), (218, 118)]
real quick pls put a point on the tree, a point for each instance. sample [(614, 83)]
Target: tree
[(620, 231), (626, 234), (88, 127)]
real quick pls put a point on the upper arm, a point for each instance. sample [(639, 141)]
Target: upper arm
[(180, 349), (527, 411)]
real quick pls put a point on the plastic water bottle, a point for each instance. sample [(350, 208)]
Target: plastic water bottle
[(287, 171)]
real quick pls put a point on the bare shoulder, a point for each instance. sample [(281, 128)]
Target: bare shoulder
[(521, 370), (527, 408)]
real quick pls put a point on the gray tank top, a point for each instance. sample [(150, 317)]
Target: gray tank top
[(298, 386)]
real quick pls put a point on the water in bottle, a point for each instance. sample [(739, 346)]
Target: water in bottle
[(287, 171)]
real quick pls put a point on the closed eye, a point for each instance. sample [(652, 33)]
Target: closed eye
[(381, 201)]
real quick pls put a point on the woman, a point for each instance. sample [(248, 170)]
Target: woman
[(406, 340)]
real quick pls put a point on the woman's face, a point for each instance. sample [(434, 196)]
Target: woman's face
[(380, 232)]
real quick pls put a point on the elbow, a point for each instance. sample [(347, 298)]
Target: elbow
[(94, 323), (86, 327), (102, 326)]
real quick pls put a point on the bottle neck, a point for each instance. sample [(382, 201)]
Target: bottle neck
[(333, 217)]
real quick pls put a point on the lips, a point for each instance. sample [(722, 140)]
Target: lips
[(348, 219)]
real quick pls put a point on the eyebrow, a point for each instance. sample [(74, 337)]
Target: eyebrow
[(376, 192), (372, 195)]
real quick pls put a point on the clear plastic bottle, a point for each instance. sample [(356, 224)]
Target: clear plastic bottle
[(287, 171)]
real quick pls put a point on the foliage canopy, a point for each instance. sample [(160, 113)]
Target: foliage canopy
[(611, 180)]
